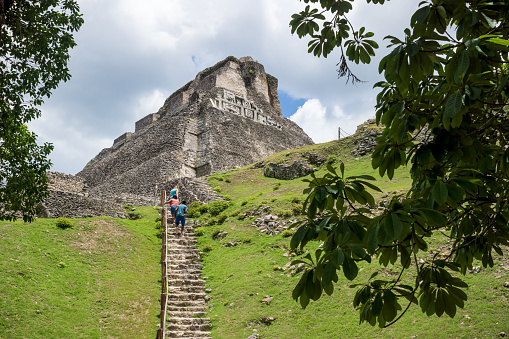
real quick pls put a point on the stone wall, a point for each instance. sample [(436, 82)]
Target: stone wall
[(146, 121), (58, 181), (73, 205), (69, 197)]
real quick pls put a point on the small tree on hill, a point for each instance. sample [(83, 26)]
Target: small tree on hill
[(444, 107), (35, 37)]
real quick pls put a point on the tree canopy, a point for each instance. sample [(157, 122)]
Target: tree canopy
[(443, 105), (35, 38)]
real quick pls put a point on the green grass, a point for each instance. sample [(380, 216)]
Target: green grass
[(98, 279), (241, 276)]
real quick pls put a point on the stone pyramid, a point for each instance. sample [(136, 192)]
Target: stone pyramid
[(229, 116)]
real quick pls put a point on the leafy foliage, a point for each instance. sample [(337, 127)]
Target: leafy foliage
[(444, 107), (64, 223), (216, 207), (35, 37)]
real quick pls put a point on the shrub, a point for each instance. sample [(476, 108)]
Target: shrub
[(219, 178), (296, 199), (241, 216), (207, 248), (193, 213), (284, 213), (227, 179), (297, 209), (215, 232), (158, 219), (133, 216), (200, 231), (159, 233), (221, 218), (332, 159), (64, 223), (246, 240), (216, 207), (235, 213), (288, 233), (194, 204), (217, 189), (204, 208), (243, 202), (128, 207), (276, 186), (227, 197)]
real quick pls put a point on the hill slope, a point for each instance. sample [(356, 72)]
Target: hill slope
[(244, 265)]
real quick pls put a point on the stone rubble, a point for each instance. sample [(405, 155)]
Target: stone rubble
[(270, 224), (284, 171)]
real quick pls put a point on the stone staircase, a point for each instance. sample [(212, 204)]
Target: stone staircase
[(186, 295), (193, 189)]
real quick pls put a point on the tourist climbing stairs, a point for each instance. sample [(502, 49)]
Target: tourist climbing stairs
[(186, 300)]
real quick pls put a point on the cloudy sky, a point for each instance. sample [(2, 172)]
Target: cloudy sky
[(132, 55)]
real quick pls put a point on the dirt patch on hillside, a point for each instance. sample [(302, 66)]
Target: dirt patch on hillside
[(99, 235)]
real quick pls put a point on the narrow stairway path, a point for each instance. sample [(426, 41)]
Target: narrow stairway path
[(186, 293)]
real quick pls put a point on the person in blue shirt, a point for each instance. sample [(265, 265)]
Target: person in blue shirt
[(174, 192), (181, 211)]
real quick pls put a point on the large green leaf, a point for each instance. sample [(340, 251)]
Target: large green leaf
[(453, 104), (328, 273), (337, 257), (393, 226), (350, 268), (440, 192)]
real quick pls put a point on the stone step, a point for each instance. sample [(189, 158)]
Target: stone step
[(186, 313), (179, 262), (183, 254), (179, 290), (188, 321), (188, 309), (186, 297), (186, 276), (186, 282), (185, 247), (188, 327), (187, 334), (189, 267), (172, 243)]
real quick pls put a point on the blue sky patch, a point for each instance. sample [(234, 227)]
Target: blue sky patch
[(289, 105)]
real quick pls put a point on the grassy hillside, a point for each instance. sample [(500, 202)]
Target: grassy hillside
[(240, 277), (98, 279)]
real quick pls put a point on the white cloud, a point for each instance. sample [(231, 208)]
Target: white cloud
[(73, 147), (149, 104), (312, 117)]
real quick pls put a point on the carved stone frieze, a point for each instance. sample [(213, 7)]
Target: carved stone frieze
[(240, 105)]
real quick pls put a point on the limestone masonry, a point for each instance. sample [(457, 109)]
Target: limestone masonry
[(229, 116)]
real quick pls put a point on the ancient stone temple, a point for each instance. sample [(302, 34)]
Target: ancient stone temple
[(227, 117)]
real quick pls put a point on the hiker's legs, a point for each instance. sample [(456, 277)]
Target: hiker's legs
[(181, 220)]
